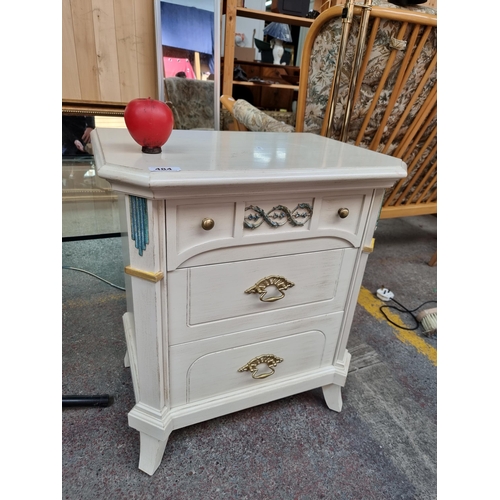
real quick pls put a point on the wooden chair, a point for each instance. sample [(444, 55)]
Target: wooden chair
[(383, 96)]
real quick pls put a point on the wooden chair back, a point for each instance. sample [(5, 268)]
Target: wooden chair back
[(386, 92)]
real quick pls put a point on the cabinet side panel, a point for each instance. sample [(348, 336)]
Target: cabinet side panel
[(149, 299)]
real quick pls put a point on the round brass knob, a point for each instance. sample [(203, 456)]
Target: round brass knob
[(343, 212), (207, 224)]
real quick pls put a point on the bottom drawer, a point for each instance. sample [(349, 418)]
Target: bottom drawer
[(224, 368)]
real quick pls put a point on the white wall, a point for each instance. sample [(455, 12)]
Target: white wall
[(246, 26)]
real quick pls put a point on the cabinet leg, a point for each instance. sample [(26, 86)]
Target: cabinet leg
[(333, 396), (152, 450), (434, 259)]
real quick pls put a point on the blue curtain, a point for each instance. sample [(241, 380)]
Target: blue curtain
[(187, 28)]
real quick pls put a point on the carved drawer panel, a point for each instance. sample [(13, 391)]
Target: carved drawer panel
[(206, 225), (278, 216), (213, 367), (222, 298), (206, 233), (344, 214), (339, 215)]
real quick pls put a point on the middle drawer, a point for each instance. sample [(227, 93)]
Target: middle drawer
[(226, 298)]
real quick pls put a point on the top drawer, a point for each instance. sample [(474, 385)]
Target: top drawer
[(223, 230)]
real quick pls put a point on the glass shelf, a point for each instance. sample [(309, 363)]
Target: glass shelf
[(89, 206)]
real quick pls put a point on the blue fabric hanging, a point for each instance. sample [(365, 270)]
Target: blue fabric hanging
[(187, 28)]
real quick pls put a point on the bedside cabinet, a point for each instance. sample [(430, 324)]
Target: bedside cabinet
[(244, 257)]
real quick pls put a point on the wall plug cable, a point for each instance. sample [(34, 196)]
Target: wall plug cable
[(386, 295), (94, 275)]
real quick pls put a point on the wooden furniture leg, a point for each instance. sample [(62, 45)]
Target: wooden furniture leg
[(434, 259), (152, 450), (333, 397)]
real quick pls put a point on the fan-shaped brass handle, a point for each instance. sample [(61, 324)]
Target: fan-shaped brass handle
[(207, 224), (253, 365), (343, 212), (279, 282)]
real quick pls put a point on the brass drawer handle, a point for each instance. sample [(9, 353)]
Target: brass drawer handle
[(207, 224), (253, 365), (343, 212), (279, 282)]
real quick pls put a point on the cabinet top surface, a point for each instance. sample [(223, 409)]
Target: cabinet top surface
[(193, 157)]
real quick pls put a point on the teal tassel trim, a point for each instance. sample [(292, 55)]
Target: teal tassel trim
[(139, 222)]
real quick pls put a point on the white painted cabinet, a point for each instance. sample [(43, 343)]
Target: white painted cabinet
[(245, 255)]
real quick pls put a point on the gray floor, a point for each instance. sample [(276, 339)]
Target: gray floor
[(381, 446)]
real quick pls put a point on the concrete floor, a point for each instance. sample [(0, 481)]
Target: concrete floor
[(381, 446)]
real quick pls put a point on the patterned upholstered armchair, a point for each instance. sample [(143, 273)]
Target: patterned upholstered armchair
[(191, 101), (249, 117), (385, 98)]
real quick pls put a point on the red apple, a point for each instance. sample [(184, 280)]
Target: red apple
[(149, 122)]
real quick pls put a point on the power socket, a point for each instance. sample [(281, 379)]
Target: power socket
[(384, 294)]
